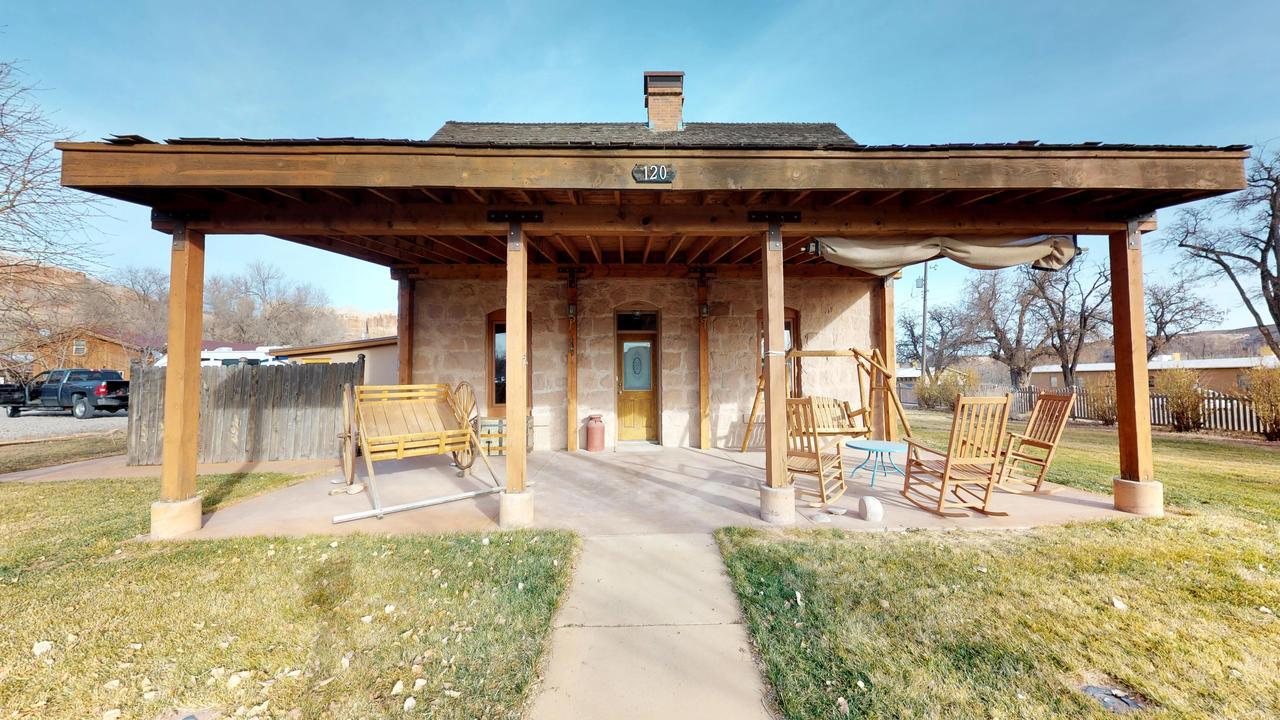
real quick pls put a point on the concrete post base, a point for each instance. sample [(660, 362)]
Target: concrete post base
[(1144, 498), (778, 505), (171, 518), (515, 510)]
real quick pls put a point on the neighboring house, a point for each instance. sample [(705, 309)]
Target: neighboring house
[(84, 349), (381, 356), (1221, 374)]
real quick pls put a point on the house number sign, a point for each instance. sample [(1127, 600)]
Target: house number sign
[(654, 173)]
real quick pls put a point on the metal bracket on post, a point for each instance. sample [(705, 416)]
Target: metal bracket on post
[(1133, 238), (514, 233), (515, 216), (775, 220)]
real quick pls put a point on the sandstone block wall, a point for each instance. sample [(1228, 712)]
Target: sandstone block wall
[(451, 345)]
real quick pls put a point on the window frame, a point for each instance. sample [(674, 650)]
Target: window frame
[(493, 408), (79, 347)]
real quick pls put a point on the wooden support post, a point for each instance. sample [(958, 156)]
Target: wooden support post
[(517, 356), (1135, 489), (775, 384), (404, 328), (704, 366), (571, 366), (178, 511), (884, 425)]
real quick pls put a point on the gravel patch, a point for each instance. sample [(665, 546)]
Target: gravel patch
[(57, 423)]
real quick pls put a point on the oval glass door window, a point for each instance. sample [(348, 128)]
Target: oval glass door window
[(637, 363)]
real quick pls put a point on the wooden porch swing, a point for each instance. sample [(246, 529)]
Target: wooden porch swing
[(393, 422), (835, 417)]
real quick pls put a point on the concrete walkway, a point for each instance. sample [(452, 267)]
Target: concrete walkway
[(650, 629), (114, 466)]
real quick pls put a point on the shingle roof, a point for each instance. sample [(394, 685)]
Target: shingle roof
[(803, 136), (809, 136)]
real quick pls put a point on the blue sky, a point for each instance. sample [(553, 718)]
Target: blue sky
[(887, 72)]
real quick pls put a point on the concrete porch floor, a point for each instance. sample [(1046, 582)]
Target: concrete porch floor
[(667, 490)]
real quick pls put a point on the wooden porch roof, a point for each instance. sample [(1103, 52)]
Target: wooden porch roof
[(423, 206)]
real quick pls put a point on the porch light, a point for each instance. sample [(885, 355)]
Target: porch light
[(573, 310), (704, 310)]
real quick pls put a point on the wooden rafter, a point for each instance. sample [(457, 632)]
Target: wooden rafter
[(595, 248), (382, 194), (886, 197), (676, 243), (978, 198), (840, 200), (569, 248), (648, 246)]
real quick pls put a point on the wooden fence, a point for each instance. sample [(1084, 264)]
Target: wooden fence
[(1219, 411), (248, 413)]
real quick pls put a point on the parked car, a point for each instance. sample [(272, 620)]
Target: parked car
[(83, 391)]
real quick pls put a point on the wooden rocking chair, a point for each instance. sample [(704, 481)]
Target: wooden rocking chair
[(1027, 458), (811, 453), (963, 476)]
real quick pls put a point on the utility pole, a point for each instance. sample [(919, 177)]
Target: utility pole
[(924, 326)]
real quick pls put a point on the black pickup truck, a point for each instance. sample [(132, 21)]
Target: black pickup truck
[(85, 392)]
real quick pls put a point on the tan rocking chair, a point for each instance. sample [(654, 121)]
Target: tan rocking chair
[(1027, 459), (963, 476), (811, 453)]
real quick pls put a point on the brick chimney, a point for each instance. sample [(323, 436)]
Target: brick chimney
[(664, 97)]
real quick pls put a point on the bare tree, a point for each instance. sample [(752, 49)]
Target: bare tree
[(145, 308), (41, 226), (1072, 305), (1244, 245), (41, 222), (1001, 307), (1175, 309), (261, 306), (949, 336)]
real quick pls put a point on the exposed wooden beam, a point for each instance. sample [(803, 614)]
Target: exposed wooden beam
[(887, 197), (434, 197), (336, 196), (648, 246), (571, 366), (101, 165), (674, 247), (726, 247), (977, 198), (795, 199), (286, 194), (595, 248), (695, 252), (840, 200), (569, 248), (720, 220), (622, 251), (549, 271), (475, 195), (382, 194), (930, 198)]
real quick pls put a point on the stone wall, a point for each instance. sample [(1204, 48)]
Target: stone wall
[(451, 345), (833, 314)]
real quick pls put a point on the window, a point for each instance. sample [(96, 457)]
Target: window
[(79, 347), (496, 363), (790, 341)]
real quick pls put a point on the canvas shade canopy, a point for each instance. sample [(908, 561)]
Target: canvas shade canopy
[(883, 257)]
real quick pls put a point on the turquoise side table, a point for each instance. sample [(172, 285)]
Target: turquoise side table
[(879, 456)]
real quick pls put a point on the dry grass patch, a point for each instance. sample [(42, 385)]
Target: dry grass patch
[(270, 627), (925, 625), (29, 456)]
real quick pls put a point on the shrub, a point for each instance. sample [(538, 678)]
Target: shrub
[(1262, 386), (1181, 388), (1100, 398), (941, 390)]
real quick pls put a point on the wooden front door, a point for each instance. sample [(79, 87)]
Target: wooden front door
[(637, 386)]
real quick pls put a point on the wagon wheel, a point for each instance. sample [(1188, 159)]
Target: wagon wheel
[(347, 438), (464, 404)]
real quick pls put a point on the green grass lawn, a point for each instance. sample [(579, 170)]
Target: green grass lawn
[(317, 627), (1012, 624), (28, 456)]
